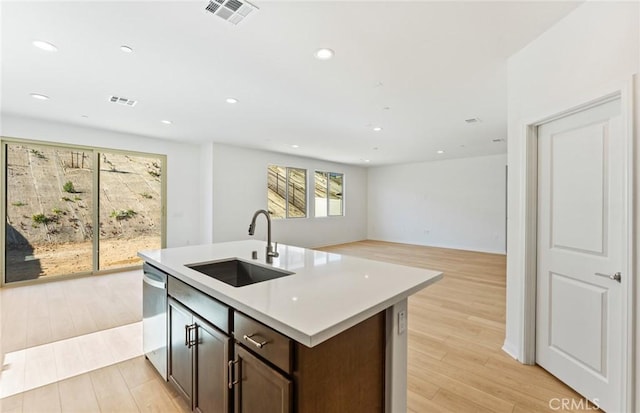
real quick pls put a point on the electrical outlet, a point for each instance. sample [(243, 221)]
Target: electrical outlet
[(402, 322)]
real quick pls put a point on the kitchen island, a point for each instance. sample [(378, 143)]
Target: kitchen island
[(334, 310)]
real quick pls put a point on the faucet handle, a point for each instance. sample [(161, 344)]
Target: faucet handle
[(275, 250)]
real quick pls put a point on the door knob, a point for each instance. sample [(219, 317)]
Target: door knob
[(615, 277)]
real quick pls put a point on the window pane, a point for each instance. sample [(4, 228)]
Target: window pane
[(130, 208), (335, 194), (321, 194), (276, 191), (49, 226), (297, 193)]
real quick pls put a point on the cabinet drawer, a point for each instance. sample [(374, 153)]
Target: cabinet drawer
[(211, 310), (264, 341)]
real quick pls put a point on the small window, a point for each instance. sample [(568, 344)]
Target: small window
[(328, 194), (287, 192)]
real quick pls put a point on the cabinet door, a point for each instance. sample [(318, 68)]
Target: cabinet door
[(211, 393), (180, 351), (259, 388)]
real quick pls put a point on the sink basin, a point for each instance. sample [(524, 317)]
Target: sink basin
[(238, 273)]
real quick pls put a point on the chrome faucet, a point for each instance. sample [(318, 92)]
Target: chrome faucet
[(252, 228)]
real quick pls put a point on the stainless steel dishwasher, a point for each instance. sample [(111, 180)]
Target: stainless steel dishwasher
[(154, 317)]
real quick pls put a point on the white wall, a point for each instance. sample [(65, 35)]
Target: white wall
[(458, 203), (240, 188), (207, 195), (590, 53), (183, 163)]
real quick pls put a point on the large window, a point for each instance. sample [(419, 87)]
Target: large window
[(130, 207), (286, 192), (329, 194), (75, 210)]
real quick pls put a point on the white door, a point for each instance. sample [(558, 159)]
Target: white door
[(581, 242)]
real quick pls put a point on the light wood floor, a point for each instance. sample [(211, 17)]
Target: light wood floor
[(456, 330), (69, 326), (37, 314)]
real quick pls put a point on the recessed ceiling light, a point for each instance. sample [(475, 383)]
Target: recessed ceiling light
[(295, 146), (126, 49), (232, 100), (324, 54), (386, 108), (367, 160), (166, 122), (39, 96), (45, 46), (440, 152), (377, 129)]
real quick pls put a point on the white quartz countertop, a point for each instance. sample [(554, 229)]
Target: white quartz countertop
[(327, 294)]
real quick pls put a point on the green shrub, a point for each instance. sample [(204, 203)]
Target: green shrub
[(123, 214), (40, 219), (68, 187), (66, 199), (146, 195), (57, 211), (18, 204)]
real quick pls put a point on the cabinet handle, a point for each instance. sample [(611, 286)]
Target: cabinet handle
[(231, 381), (258, 344), (188, 341), (194, 328)]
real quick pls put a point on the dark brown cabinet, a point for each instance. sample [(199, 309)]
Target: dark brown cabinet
[(180, 368), (258, 387), (211, 356), (223, 361), (198, 360)]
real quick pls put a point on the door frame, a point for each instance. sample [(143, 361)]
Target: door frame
[(529, 182)]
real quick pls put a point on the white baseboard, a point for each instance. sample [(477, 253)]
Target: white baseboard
[(510, 350)]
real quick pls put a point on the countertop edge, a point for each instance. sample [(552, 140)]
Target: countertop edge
[(291, 332)]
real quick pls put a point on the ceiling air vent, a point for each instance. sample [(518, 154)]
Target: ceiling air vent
[(233, 11), (472, 120), (123, 101)]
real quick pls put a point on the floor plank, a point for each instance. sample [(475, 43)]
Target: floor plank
[(43, 399), (77, 395)]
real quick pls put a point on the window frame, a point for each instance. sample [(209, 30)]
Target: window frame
[(327, 188), (287, 170), (95, 152)]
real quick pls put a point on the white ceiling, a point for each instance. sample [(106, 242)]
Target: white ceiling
[(434, 64)]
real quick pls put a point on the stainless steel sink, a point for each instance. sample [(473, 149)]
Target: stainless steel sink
[(238, 273)]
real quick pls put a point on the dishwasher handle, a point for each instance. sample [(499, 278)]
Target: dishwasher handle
[(153, 282)]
